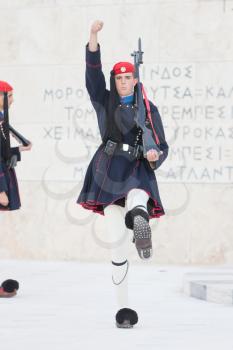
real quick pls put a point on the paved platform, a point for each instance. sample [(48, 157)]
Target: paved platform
[(71, 305)]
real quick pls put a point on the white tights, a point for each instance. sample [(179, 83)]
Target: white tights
[(121, 237)]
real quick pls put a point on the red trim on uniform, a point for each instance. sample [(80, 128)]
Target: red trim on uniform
[(93, 65), (93, 205)]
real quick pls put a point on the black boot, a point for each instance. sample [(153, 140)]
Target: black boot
[(137, 220), (126, 318)]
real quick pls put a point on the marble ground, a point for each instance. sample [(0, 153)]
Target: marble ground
[(71, 305)]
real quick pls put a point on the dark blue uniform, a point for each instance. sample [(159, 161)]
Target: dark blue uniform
[(8, 180), (109, 178)]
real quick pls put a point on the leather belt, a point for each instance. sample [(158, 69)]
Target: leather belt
[(136, 152)]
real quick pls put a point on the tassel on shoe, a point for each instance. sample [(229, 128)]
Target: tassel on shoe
[(126, 318), (9, 288)]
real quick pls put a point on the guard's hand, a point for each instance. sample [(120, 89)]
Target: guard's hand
[(25, 148), (96, 26), (152, 155), (4, 199)]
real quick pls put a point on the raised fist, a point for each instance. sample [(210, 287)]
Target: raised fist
[(96, 26)]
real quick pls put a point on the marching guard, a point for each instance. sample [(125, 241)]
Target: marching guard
[(120, 181)]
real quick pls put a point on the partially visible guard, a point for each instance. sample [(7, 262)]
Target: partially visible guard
[(9, 156)]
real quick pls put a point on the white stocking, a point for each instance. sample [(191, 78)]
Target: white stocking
[(136, 198), (115, 220)]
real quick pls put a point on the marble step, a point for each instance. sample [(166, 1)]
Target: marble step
[(216, 286)]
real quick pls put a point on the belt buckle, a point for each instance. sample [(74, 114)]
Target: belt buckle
[(125, 147)]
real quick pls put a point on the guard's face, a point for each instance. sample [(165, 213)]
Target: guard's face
[(10, 99), (125, 83)]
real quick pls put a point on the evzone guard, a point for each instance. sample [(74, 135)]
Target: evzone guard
[(9, 156), (120, 182)]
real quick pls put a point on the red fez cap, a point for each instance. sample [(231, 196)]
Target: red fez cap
[(123, 67), (5, 87)]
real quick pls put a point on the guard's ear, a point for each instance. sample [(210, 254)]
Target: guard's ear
[(135, 81)]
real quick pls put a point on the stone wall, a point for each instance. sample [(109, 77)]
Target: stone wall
[(188, 69)]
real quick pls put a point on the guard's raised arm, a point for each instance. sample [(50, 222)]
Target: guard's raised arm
[(95, 28)]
